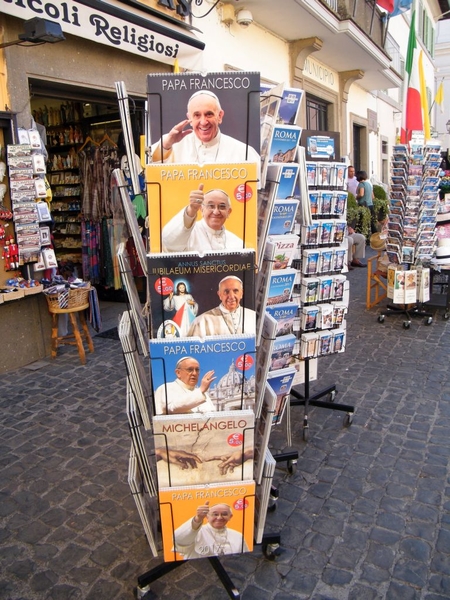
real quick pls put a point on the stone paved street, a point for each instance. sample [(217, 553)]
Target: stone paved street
[(365, 516)]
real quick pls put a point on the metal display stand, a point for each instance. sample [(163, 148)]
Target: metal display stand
[(417, 311), (148, 578), (306, 400), (270, 544)]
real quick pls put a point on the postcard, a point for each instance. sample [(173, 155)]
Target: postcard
[(281, 383)]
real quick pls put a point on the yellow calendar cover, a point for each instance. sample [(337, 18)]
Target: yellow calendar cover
[(207, 520), (202, 207)]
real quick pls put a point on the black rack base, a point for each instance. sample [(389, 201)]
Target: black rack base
[(306, 399), (417, 311), (145, 580)]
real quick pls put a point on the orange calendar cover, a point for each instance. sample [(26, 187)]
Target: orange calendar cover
[(207, 520), (202, 207)]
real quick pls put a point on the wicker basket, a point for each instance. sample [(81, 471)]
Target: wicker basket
[(77, 297)]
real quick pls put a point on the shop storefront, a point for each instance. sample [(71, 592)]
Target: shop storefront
[(67, 91)]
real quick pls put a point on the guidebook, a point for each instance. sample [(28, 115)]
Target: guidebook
[(184, 286), (282, 219), (204, 448), (281, 382), (194, 375), (227, 514)]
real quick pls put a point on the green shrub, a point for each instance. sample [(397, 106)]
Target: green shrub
[(358, 217)]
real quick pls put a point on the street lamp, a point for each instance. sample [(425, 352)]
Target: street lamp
[(38, 31)]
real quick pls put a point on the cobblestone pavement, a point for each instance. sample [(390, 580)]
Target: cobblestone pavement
[(365, 516)]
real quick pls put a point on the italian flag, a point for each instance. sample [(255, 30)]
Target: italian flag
[(412, 107)]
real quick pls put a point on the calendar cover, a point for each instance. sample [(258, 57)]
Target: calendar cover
[(280, 286), (186, 285), (207, 520), (168, 95), (194, 375), (204, 448), (224, 208)]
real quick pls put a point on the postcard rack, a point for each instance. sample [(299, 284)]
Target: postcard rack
[(411, 228), (167, 476)]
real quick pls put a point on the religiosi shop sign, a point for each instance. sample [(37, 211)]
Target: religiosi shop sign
[(130, 29)]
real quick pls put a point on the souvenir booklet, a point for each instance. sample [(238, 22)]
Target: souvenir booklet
[(263, 428), (263, 493), (283, 348), (185, 285), (290, 105), (282, 219), (179, 505), (204, 448), (286, 175), (262, 282), (263, 357), (146, 505), (285, 315), (286, 249), (284, 143), (221, 376), (281, 383), (169, 188), (280, 286)]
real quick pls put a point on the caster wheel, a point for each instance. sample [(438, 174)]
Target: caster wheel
[(348, 419), (332, 396), (406, 324), (305, 434), (428, 320), (446, 316), (142, 592), (380, 318), (270, 551), (292, 466)]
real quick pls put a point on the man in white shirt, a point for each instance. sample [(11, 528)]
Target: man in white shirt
[(352, 182), (182, 396), (184, 233), (208, 144), (229, 318), (193, 539)]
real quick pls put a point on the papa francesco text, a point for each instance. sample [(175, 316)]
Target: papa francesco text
[(200, 494), (206, 348), (204, 174)]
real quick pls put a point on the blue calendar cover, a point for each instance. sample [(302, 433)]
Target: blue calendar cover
[(194, 375)]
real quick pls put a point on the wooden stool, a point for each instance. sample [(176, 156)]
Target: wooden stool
[(73, 309), (376, 288)]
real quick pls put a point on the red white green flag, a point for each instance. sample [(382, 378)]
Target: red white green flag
[(412, 107)]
